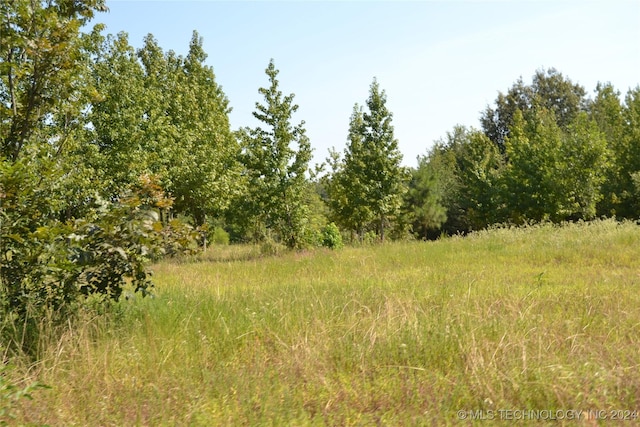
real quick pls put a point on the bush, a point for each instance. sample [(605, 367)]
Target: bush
[(219, 236), (48, 265), (331, 237)]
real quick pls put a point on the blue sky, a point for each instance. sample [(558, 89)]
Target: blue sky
[(440, 62)]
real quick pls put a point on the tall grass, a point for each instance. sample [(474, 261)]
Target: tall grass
[(409, 333)]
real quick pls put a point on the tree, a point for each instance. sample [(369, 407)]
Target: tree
[(48, 213), (276, 158), (551, 174), (549, 90), (586, 161), (371, 180), (479, 168), (465, 172), (40, 47), (497, 121), (608, 113), (423, 204), (347, 190), (631, 153), (558, 95), (162, 114), (203, 169), (387, 178), (117, 111), (59, 238)]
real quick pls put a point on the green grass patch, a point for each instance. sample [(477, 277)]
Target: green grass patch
[(540, 318)]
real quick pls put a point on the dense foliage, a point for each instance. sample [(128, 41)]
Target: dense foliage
[(546, 152)]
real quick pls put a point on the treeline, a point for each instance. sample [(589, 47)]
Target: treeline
[(546, 152), (112, 156)]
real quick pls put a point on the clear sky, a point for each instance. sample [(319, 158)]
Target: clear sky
[(440, 62)]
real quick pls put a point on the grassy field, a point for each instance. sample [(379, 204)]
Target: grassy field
[(542, 318)]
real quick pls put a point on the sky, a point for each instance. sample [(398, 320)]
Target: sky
[(440, 63)]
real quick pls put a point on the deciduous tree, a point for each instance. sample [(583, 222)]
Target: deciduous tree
[(276, 156), (371, 181), (549, 89)]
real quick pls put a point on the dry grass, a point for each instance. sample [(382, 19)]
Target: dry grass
[(543, 318)]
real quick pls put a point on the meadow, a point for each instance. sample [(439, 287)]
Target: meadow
[(541, 318)]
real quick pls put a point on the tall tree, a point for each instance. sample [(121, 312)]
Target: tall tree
[(160, 86), (56, 240), (496, 121), (479, 167), (423, 205), (116, 113), (276, 157), (373, 179), (177, 127), (387, 178), (203, 170), (39, 48), (466, 169), (346, 189), (630, 155)]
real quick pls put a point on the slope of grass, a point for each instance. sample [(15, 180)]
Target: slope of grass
[(541, 318)]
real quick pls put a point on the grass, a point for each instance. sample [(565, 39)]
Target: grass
[(540, 318)]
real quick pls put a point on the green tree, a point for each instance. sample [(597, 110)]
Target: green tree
[(441, 162), (465, 170), (586, 160), (423, 206), (346, 187), (59, 239), (630, 155), (163, 114), (559, 95), (608, 113), (203, 166), (160, 85), (551, 174), (549, 89), (371, 182), (479, 168), (275, 158), (116, 114), (496, 121), (386, 178), (40, 50)]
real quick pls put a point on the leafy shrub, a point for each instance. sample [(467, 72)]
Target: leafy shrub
[(219, 236), (48, 264), (331, 237), (178, 238)]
